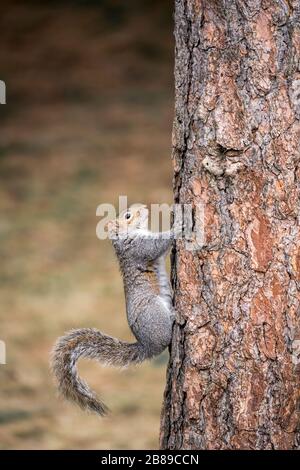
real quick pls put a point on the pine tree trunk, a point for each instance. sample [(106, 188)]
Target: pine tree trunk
[(233, 379)]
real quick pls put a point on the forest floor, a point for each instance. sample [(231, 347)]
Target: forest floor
[(88, 117)]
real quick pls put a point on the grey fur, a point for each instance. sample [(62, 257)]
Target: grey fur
[(141, 256)]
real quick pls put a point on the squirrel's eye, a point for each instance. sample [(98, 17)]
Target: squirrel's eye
[(127, 215)]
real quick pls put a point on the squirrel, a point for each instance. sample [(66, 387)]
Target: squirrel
[(150, 313)]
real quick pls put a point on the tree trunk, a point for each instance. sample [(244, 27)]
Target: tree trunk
[(233, 377)]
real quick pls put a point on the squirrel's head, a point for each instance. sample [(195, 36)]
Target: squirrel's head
[(133, 218)]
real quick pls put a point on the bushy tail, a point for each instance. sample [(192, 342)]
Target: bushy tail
[(92, 344)]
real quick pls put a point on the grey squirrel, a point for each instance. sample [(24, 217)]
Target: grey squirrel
[(141, 255)]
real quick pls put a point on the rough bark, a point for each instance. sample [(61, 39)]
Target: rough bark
[(232, 382)]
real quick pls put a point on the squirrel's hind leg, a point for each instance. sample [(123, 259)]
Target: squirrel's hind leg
[(153, 327)]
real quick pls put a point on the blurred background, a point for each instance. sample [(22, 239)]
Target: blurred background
[(88, 117)]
